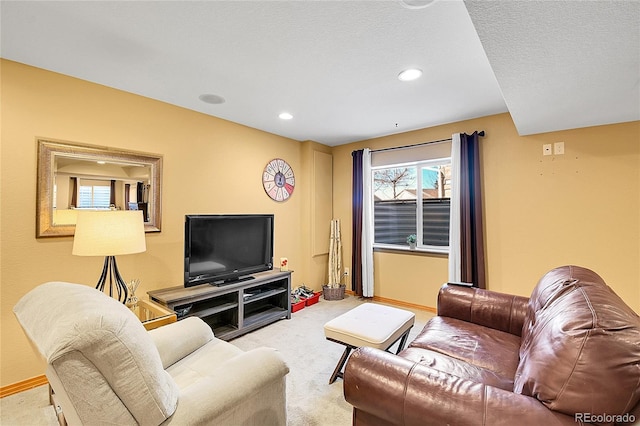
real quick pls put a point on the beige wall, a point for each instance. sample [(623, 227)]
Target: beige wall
[(317, 211), (540, 212), (210, 166), (582, 208)]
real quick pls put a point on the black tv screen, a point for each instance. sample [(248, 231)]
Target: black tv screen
[(225, 248)]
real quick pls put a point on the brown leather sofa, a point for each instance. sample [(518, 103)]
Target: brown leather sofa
[(568, 355)]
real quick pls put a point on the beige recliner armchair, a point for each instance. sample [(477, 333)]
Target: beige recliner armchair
[(105, 368)]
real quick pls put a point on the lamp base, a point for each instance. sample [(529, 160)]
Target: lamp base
[(110, 269)]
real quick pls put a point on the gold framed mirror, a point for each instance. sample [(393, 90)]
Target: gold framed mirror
[(74, 176)]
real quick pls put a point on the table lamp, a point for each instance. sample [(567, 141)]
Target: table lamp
[(109, 233)]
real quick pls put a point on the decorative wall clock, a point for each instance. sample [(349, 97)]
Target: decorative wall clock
[(278, 180)]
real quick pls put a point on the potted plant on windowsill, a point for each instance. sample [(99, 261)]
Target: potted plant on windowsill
[(411, 239)]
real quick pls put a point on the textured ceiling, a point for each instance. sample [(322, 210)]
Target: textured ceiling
[(333, 64), (563, 64)]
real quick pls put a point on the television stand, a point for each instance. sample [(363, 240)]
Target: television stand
[(233, 309)]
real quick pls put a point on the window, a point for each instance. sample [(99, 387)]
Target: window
[(96, 195), (400, 209)]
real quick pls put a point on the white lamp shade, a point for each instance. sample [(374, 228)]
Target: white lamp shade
[(109, 233)]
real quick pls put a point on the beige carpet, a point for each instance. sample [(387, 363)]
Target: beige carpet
[(311, 358), (29, 408)]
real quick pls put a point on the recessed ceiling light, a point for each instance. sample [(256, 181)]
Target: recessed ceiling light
[(410, 74), (211, 99), (285, 116)]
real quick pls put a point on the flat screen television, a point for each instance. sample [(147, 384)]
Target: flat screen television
[(221, 249)]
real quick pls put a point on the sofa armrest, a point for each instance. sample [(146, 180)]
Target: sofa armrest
[(504, 312), (398, 391), (177, 340)]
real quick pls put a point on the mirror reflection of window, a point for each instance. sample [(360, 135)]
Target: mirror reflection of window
[(94, 195), (87, 184), (74, 176)]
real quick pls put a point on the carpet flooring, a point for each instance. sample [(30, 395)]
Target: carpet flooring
[(311, 358)]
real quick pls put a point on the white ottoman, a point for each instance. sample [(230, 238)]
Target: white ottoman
[(371, 325)]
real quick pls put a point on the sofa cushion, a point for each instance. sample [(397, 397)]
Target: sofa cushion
[(580, 348), (457, 368), (201, 363), (490, 349)]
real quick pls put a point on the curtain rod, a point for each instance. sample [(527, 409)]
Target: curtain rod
[(480, 133)]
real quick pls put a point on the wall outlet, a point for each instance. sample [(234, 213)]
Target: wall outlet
[(346, 272), (558, 148), (546, 149)]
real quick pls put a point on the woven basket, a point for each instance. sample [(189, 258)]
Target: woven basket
[(333, 293)]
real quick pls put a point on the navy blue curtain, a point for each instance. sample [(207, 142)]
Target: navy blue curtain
[(471, 227), (356, 218), (127, 188), (139, 192), (112, 195), (74, 192)]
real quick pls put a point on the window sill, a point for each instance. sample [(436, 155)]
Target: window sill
[(406, 250)]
